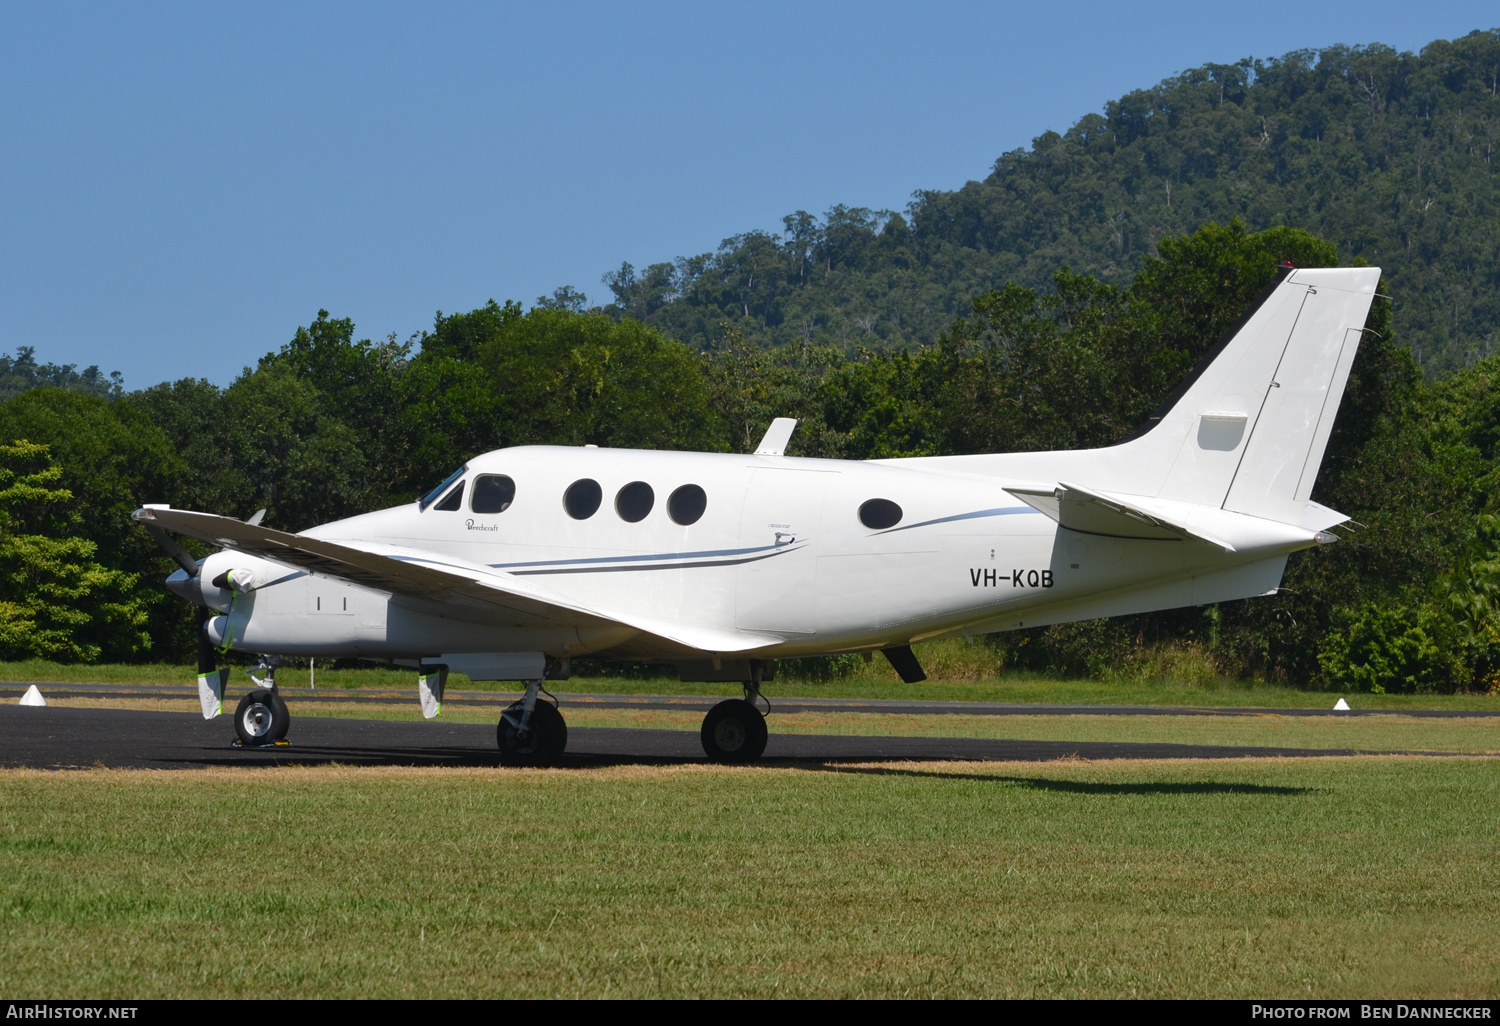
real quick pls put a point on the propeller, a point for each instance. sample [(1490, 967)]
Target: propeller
[(169, 545), (185, 583)]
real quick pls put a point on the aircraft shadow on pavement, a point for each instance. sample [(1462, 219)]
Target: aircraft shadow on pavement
[(479, 757), (860, 764)]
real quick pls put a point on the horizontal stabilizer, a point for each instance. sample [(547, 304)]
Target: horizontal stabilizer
[(1089, 512), (1318, 517)]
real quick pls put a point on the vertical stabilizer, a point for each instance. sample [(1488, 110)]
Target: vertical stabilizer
[(1249, 430)]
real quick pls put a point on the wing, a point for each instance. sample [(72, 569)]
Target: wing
[(426, 575)]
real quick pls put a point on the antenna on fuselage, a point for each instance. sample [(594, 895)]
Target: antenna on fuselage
[(776, 437)]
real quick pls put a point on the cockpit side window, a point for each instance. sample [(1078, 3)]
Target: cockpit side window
[(452, 500), (493, 493), (431, 497)]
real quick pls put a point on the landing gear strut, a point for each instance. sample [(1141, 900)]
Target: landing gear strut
[(735, 729), (262, 717), (531, 732)]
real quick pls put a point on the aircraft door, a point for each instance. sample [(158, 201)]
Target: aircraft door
[(780, 520)]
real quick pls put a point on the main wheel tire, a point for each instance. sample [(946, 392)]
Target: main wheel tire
[(734, 731), (544, 741), (261, 718)]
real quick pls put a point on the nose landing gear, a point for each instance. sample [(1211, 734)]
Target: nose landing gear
[(262, 718)]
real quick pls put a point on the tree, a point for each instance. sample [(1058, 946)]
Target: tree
[(567, 379), (565, 298), (113, 459), (22, 373), (56, 602)]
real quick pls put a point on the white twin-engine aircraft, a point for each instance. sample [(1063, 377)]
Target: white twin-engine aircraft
[(527, 558)]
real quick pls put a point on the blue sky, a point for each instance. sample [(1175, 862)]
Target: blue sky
[(185, 184)]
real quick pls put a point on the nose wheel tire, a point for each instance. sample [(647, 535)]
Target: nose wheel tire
[(261, 718), (543, 742), (734, 731)]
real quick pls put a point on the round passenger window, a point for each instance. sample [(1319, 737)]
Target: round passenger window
[(686, 505), (878, 514), (493, 493), (582, 499), (634, 501)]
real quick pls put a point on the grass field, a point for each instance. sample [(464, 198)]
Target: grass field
[(1331, 877)]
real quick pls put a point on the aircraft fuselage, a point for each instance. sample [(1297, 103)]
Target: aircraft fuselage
[(779, 549)]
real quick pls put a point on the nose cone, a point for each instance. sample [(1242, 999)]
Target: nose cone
[(185, 587)]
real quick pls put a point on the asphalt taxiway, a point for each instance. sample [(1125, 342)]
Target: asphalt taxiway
[(64, 738), (188, 693)]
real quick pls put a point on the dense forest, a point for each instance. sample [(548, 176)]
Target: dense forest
[(1053, 305), (21, 373), (1390, 156), (331, 425)]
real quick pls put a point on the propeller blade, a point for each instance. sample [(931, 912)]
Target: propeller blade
[(211, 679), (169, 545), (256, 518), (208, 656)]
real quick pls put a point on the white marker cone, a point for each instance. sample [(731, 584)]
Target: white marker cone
[(33, 697), (1341, 706)]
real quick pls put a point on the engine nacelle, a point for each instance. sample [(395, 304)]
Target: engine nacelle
[(228, 574), (271, 608)]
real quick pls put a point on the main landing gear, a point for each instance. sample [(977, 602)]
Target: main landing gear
[(532, 732), (735, 729), (262, 717)]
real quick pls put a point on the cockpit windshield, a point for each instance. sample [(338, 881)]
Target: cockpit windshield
[(431, 497)]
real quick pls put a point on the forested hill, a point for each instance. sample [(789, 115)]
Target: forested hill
[(1391, 156)]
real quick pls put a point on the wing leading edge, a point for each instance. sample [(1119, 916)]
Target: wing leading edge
[(425, 575)]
